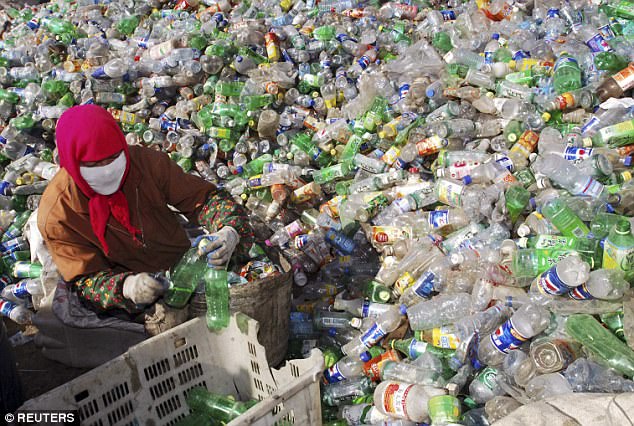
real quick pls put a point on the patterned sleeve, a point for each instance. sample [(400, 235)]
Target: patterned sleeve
[(221, 210), (105, 290)]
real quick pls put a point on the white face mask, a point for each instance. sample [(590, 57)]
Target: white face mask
[(105, 180)]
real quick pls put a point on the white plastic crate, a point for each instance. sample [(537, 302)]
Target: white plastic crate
[(148, 384)]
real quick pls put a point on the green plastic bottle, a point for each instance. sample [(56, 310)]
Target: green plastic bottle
[(566, 74), (377, 292), (564, 219), (517, 198), (185, 278), (588, 248), (229, 88), (218, 407), (217, 296), (601, 343), (128, 25), (325, 32), (331, 173), (442, 42), (256, 166), (602, 223), (609, 61), (528, 263), (618, 249), (413, 348), (23, 269)]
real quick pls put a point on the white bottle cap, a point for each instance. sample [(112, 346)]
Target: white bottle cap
[(523, 230)]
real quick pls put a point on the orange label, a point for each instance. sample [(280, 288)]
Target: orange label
[(625, 78)]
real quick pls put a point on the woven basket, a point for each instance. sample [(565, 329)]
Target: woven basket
[(269, 302)]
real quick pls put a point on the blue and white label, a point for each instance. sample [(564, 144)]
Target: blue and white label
[(597, 44), (438, 218), (333, 375), (416, 348), (580, 293), (488, 57), (506, 338), (576, 154), (372, 336), (448, 15), (550, 283), (6, 307), (506, 162), (424, 285), (590, 125), (20, 291)]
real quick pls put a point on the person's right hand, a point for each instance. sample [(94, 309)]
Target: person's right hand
[(142, 289)]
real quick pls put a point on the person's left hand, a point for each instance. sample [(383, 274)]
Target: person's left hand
[(219, 246)]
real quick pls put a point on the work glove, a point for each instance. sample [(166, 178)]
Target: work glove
[(219, 246), (142, 289)]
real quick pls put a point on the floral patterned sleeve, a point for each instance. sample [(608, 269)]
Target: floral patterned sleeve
[(105, 290), (221, 210)]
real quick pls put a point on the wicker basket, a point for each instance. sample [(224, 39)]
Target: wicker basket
[(269, 302)]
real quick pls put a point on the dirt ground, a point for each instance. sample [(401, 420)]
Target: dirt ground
[(39, 374)]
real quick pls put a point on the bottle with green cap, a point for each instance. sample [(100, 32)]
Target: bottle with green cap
[(377, 292), (185, 278), (618, 249), (217, 296), (602, 223)]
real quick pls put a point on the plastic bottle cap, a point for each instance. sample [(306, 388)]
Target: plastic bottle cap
[(532, 157), (356, 322), (546, 117), (467, 180), (365, 356), (403, 309), (440, 172), (332, 332), (512, 64), (268, 243), (587, 142), (523, 230), (628, 161), (495, 36), (430, 93), (243, 196)]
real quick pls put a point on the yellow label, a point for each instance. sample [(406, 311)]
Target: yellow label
[(444, 337), (403, 282)]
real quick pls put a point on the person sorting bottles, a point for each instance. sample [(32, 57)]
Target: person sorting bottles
[(106, 216)]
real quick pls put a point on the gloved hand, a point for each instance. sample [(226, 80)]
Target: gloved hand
[(218, 246), (142, 289)]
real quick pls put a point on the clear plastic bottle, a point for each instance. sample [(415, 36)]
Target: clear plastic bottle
[(526, 322), (404, 401)]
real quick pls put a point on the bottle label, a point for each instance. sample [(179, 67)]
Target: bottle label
[(20, 290), (550, 283), (372, 336), (566, 60), (448, 15), (438, 218), (416, 348), (592, 188), (618, 134), (294, 229), (430, 145), (449, 193), (460, 169), (580, 293), (333, 375), (507, 338), (372, 310), (389, 234), (488, 377), (372, 368), (551, 241), (424, 286), (6, 307), (593, 122), (506, 163), (617, 257), (606, 32), (403, 282), (625, 78), (597, 43), (445, 337), (395, 399), (576, 154)]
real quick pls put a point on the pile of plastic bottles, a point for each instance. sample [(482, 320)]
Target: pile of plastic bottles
[(450, 181)]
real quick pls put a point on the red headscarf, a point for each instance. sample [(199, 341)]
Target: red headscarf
[(90, 133)]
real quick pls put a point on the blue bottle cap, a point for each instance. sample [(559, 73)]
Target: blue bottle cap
[(467, 180), (628, 161), (403, 309), (332, 332), (430, 93), (495, 36), (365, 356)]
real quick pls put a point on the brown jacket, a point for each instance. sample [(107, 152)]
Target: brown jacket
[(153, 182)]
